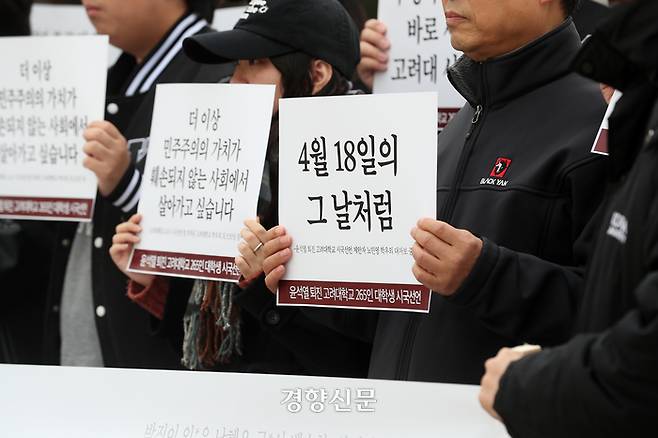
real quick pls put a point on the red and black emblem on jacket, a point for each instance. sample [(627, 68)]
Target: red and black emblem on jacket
[(500, 168)]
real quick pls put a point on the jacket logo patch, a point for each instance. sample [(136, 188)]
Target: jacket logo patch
[(618, 227), (497, 173), (500, 168)]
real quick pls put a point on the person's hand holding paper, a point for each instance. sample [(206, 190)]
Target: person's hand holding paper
[(107, 154)]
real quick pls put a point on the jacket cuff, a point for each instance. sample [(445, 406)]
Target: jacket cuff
[(505, 403), (126, 195), (244, 284), (153, 299), (479, 275), (261, 303)]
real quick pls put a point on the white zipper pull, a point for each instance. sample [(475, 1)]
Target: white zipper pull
[(476, 116)]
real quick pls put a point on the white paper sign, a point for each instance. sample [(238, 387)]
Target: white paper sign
[(56, 20), (61, 402), (356, 174), (50, 89), (601, 143), (202, 177), (420, 53)]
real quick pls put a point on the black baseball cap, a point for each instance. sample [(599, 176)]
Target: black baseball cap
[(320, 28)]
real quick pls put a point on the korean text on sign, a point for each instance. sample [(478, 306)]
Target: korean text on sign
[(202, 177), (349, 193), (420, 53), (51, 88)]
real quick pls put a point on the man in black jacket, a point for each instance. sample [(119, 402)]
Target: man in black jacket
[(90, 320), (604, 382), (516, 187)]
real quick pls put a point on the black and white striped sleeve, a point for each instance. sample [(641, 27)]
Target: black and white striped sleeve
[(126, 195)]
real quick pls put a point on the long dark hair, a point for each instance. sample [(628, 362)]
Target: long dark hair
[(296, 81), (212, 341), (295, 69)]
